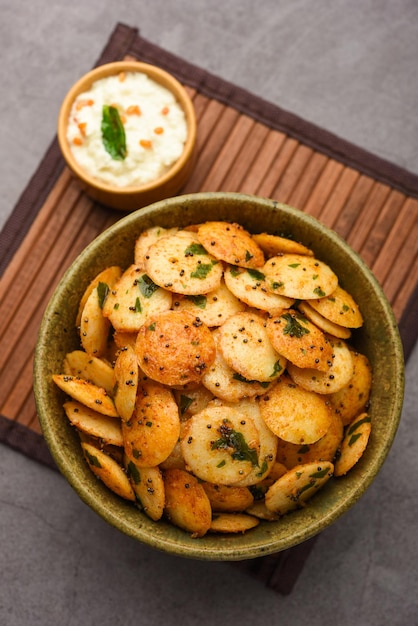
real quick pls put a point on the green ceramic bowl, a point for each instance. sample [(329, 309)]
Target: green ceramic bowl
[(378, 339)]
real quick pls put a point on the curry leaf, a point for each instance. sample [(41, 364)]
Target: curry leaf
[(113, 133)]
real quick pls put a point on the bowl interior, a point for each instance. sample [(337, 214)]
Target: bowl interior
[(378, 339)]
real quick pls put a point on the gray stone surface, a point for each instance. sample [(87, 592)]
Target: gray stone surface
[(347, 66)]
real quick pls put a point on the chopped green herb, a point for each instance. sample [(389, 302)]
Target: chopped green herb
[(263, 469), (294, 265), (102, 291), (321, 473), (221, 464), (248, 255), (151, 326), (276, 369), (293, 327), (146, 286), (133, 473), (202, 270), (346, 307), (234, 439), (199, 301), (353, 439), (241, 378), (304, 488), (256, 274), (113, 133), (92, 460), (276, 285), (358, 423), (195, 248), (185, 402), (234, 270), (138, 307), (318, 291)]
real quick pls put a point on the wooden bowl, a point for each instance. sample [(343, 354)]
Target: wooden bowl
[(132, 197), (378, 339)]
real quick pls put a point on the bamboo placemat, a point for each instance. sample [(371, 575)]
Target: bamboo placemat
[(245, 144)]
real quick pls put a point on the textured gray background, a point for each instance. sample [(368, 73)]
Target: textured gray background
[(347, 66)]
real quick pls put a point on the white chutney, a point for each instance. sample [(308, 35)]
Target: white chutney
[(154, 123)]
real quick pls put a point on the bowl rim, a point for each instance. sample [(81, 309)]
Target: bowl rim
[(179, 545), (157, 74)]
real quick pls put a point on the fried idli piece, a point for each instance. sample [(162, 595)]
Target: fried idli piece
[(231, 243), (123, 339), (187, 505), (249, 285), (324, 449), (146, 239), (297, 486), (108, 470), (228, 498), (259, 489), (247, 349), (321, 322), (233, 523), (212, 308), (353, 398), (106, 279), (154, 428), (148, 485), (227, 384), (174, 348), (93, 369), (107, 429), (115, 452), (250, 408), (299, 341), (133, 298), (126, 378), (354, 444), (335, 379), (220, 445), (181, 264), (112, 351), (273, 245), (300, 277), (259, 510), (175, 459), (192, 401), (94, 327), (277, 470), (86, 393), (295, 414), (340, 308)]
